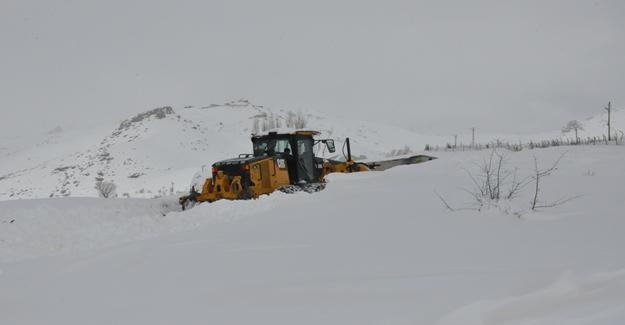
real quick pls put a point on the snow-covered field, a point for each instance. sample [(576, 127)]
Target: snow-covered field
[(373, 248)]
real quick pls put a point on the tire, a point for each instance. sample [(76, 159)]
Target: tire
[(308, 188)]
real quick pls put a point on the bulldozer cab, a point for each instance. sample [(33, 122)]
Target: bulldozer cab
[(295, 150)]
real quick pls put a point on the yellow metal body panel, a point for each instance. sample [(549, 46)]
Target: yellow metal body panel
[(265, 175), (343, 167), (268, 176)]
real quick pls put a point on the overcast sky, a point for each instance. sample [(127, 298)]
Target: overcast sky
[(438, 66)]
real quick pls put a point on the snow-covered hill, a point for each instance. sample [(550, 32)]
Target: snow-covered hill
[(594, 126), (597, 125), (157, 152), (372, 248)]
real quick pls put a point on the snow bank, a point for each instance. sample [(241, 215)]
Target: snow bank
[(32, 228), (594, 299)]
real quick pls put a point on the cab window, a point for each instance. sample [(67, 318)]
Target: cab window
[(282, 145), (271, 147)]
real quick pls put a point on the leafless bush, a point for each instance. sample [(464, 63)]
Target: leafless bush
[(266, 123), (406, 150), (296, 120), (537, 176), (256, 126), (269, 121), (495, 182), (106, 189)]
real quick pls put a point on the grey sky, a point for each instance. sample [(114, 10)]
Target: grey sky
[(439, 66)]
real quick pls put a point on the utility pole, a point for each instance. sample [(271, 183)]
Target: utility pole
[(455, 141), (473, 137), (609, 109)]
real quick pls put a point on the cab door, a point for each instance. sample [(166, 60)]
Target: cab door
[(305, 160)]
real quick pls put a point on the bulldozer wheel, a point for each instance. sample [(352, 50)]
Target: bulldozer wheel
[(246, 192), (289, 189), (189, 201), (308, 188), (314, 187), (188, 204)]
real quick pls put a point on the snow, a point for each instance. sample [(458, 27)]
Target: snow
[(569, 295), (372, 248), (282, 130)]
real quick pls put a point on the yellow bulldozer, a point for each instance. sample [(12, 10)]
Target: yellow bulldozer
[(283, 161)]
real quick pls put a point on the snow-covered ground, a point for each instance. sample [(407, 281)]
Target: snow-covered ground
[(372, 248)]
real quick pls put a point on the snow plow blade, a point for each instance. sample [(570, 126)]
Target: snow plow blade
[(387, 164)]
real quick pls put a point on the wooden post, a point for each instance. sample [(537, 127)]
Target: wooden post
[(609, 109), (473, 137)]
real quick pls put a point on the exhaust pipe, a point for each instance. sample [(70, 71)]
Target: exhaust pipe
[(349, 154)]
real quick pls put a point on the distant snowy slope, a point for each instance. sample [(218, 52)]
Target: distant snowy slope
[(157, 152), (595, 126)]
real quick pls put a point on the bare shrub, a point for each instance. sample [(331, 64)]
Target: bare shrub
[(495, 182), (106, 190), (256, 126), (296, 120), (266, 122), (406, 150), (537, 176)]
